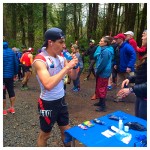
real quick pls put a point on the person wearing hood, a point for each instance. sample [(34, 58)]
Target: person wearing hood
[(103, 55), (10, 69)]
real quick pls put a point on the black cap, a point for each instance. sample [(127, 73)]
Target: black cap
[(53, 34)]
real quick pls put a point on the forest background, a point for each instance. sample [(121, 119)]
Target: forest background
[(26, 23)]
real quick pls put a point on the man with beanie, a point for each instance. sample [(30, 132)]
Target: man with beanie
[(50, 69)]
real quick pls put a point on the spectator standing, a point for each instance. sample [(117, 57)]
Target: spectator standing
[(141, 51), (51, 68), (125, 58), (24, 49), (18, 56), (90, 51), (10, 69), (76, 82), (129, 37), (104, 55), (140, 87), (26, 60)]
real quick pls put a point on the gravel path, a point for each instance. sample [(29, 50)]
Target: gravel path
[(21, 129)]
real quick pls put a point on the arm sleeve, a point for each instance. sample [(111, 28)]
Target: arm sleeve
[(140, 90), (132, 55), (103, 62), (131, 79)]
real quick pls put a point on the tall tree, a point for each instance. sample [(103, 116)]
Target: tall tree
[(13, 22), (75, 20), (92, 20), (44, 17), (114, 19), (21, 10), (107, 25), (30, 25), (130, 16), (143, 23)]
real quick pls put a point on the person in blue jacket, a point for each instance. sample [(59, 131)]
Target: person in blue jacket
[(103, 55), (140, 86), (125, 58), (10, 69)]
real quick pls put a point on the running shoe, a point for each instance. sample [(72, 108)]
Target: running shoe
[(4, 112), (76, 90), (109, 87), (11, 110)]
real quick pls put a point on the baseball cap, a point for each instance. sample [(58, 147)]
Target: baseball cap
[(129, 32), (92, 41), (53, 34), (120, 36), (30, 49)]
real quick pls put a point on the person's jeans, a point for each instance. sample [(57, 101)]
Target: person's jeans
[(76, 82)]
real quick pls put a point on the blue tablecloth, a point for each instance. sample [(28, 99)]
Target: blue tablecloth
[(92, 137)]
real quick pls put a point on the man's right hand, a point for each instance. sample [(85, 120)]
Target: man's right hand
[(125, 83)]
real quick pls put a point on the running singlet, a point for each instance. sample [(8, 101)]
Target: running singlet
[(25, 60), (54, 66)]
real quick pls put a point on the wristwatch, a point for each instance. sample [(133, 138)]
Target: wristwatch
[(131, 90)]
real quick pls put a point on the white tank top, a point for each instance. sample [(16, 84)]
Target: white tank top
[(54, 66)]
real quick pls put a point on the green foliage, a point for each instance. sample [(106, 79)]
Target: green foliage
[(61, 15)]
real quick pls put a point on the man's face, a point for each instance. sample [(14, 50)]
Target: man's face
[(118, 41), (58, 45), (144, 40), (128, 36), (91, 43)]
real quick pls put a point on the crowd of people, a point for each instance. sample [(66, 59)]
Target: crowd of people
[(115, 60)]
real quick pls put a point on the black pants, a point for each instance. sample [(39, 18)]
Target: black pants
[(91, 68), (141, 108)]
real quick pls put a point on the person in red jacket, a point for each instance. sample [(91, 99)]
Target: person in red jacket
[(26, 60), (129, 37), (142, 50)]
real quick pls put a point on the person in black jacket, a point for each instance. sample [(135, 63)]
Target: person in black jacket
[(90, 51), (140, 87)]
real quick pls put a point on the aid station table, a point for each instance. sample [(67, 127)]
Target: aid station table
[(93, 137)]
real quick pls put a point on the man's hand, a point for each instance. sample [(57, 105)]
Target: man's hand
[(125, 83), (123, 92)]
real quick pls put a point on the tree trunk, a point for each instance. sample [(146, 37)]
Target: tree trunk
[(44, 18), (30, 25), (13, 22), (143, 25), (114, 20), (107, 26), (92, 20)]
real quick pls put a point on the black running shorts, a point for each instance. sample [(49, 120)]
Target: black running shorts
[(9, 86), (51, 112)]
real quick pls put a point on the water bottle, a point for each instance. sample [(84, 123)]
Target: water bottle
[(68, 56), (120, 124)]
